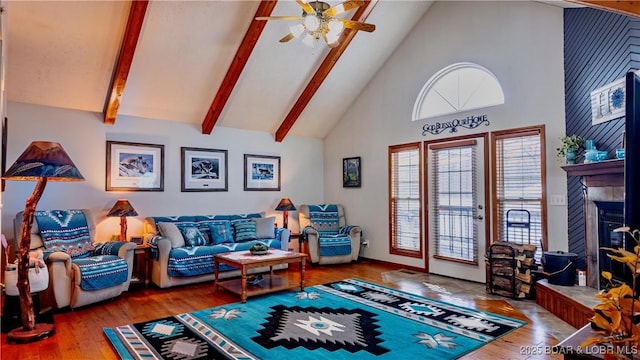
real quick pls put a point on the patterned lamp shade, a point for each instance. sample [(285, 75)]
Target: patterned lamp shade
[(122, 207), (44, 159), (285, 204)]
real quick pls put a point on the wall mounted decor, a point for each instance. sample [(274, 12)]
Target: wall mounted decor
[(204, 169), (134, 167), (261, 173), (470, 122), (607, 102), (351, 176)]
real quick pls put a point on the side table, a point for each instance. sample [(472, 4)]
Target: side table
[(142, 256), (301, 242)]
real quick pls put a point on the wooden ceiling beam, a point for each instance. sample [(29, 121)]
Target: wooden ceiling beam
[(323, 71), (137, 14), (237, 65), (629, 8)]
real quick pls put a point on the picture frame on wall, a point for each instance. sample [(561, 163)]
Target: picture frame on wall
[(351, 175), (134, 166), (204, 169), (261, 173)]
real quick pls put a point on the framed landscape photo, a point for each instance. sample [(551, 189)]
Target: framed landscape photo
[(134, 167), (261, 173), (351, 176), (204, 169)]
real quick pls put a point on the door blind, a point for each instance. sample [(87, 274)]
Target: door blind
[(454, 203)]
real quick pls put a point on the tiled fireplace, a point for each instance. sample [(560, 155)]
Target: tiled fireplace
[(604, 203)]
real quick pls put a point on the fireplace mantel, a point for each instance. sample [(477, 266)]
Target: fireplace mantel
[(600, 173)]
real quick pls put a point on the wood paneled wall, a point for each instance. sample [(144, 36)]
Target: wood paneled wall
[(599, 47)]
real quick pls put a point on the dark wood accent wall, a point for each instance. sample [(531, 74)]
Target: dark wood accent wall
[(599, 47)]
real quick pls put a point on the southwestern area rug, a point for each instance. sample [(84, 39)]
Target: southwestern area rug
[(348, 319)]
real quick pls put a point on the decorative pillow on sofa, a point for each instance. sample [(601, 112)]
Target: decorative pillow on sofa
[(245, 230), (265, 228), (171, 232), (192, 236), (221, 232)]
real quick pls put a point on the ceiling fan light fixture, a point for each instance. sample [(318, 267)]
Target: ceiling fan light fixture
[(309, 40), (296, 30), (335, 27), (311, 22)]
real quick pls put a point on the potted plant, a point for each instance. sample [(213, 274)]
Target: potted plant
[(571, 148), (616, 322)]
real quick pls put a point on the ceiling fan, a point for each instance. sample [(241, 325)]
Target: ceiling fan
[(319, 20)]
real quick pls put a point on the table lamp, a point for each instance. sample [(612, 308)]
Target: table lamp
[(285, 205), (122, 208), (42, 161)]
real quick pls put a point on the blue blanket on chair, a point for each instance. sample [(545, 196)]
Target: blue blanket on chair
[(325, 218), (101, 272), (66, 231), (326, 221)]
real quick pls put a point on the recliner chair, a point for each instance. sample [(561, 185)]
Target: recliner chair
[(329, 239), (75, 253)]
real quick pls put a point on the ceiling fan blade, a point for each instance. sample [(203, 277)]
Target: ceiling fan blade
[(287, 37), (306, 7), (341, 8), (356, 25), (279, 18)]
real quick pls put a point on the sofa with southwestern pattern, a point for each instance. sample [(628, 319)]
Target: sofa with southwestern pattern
[(81, 270), (330, 240), (183, 246)]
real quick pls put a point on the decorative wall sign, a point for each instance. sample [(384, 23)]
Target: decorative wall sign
[(607, 102), (470, 122)]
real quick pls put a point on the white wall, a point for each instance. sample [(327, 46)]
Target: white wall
[(520, 42), (83, 135)]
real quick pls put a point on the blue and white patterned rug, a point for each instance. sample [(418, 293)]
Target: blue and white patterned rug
[(348, 319)]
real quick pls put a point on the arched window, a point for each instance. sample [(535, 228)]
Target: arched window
[(457, 88)]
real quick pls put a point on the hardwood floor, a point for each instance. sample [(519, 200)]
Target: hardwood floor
[(79, 332)]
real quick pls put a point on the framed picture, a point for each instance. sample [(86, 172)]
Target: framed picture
[(261, 173), (204, 169), (351, 176), (134, 167), (137, 240)]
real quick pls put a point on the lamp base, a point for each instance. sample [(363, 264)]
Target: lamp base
[(21, 336)]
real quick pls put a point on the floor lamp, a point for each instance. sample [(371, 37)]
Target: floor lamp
[(42, 161)]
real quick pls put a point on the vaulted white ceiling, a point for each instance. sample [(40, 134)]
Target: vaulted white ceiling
[(62, 54)]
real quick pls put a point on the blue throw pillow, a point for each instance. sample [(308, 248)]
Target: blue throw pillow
[(245, 230), (221, 232), (192, 236)]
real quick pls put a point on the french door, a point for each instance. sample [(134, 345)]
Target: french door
[(457, 183)]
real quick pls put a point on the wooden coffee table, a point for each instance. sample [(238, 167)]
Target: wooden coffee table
[(244, 261)]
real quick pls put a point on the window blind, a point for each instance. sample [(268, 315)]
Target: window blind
[(518, 188), (405, 199)]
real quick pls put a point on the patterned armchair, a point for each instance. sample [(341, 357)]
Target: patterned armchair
[(329, 239), (81, 271)]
